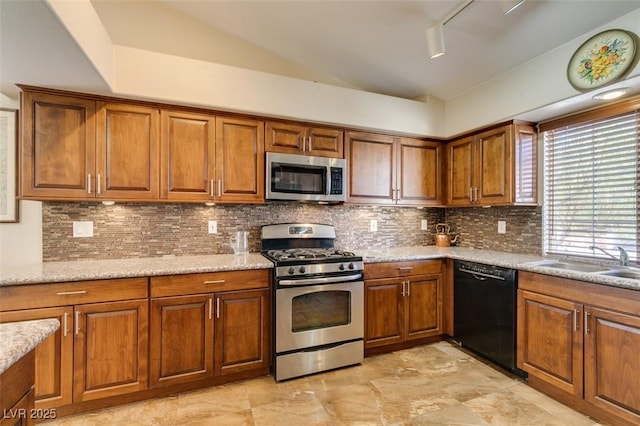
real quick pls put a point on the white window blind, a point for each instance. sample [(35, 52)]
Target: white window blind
[(591, 186)]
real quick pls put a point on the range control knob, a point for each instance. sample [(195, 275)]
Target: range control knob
[(341, 267), (291, 270), (351, 266), (302, 269)]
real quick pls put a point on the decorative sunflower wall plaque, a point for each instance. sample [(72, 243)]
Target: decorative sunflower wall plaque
[(603, 59)]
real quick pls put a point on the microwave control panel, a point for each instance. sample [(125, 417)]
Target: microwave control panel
[(336, 180)]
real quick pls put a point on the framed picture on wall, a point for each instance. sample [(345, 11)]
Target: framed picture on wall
[(8, 165)]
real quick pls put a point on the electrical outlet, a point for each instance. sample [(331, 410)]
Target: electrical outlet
[(502, 227), (373, 225), (424, 224), (83, 229), (213, 226)]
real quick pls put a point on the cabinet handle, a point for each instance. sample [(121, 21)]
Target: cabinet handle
[(211, 308), (408, 288), (476, 193), (217, 307), (405, 268), (211, 186), (88, 183), (98, 185), (77, 324), (214, 282), (575, 319), (402, 292), (67, 293), (219, 187), (586, 322), (65, 324), (470, 194)]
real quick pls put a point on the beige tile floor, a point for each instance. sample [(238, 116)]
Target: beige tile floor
[(435, 384)]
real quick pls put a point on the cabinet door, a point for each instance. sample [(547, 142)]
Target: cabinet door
[(242, 331), (240, 160), (384, 312), (127, 152), (187, 156), (420, 172), (550, 340), (460, 179), (181, 340), (21, 413), (423, 301), (372, 168), (494, 170), (54, 356), (58, 146), (325, 142), (285, 137), (110, 349), (612, 352), (526, 164)]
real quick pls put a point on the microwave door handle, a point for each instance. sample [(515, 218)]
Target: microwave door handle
[(327, 189)]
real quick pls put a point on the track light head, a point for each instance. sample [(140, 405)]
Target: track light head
[(435, 41)]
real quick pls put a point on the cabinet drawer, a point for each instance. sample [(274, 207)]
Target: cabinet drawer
[(71, 293), (177, 285), (401, 269)]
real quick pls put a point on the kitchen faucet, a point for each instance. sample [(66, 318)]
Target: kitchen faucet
[(624, 257)]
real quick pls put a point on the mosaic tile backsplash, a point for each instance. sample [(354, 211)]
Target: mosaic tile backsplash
[(149, 230)]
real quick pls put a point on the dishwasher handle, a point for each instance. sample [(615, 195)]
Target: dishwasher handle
[(480, 275)]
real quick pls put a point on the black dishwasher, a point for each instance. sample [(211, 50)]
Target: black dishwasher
[(484, 312)]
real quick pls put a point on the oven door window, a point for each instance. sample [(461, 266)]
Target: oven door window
[(297, 179), (322, 309)]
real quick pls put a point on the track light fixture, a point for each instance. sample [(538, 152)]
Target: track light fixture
[(435, 41), (435, 34), (509, 6)]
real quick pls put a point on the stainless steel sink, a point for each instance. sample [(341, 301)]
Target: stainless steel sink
[(577, 267), (622, 273)]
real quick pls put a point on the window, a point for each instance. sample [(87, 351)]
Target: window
[(591, 185)]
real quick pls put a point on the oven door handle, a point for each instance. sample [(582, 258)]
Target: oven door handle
[(322, 280)]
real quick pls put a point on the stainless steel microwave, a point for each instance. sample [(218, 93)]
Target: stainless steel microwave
[(305, 178)]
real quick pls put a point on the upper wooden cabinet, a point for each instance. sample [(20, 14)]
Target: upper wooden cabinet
[(388, 170), (292, 138), (239, 160), (127, 151), (187, 156), (75, 148), (494, 167), (211, 159), (58, 147), (79, 147)]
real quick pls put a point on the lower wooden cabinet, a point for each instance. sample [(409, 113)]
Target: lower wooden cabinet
[(582, 340), (100, 349), (226, 331), (17, 393), (54, 356), (178, 323), (110, 349), (403, 302)]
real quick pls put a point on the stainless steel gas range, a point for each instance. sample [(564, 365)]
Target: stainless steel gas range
[(318, 300)]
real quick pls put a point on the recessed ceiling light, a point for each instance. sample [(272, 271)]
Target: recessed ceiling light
[(611, 94)]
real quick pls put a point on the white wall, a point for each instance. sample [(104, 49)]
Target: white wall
[(21, 242), (538, 83)]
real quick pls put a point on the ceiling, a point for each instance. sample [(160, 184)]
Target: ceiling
[(376, 46)]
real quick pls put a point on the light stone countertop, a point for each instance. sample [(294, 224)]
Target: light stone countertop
[(82, 270), (18, 338), (497, 258)]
